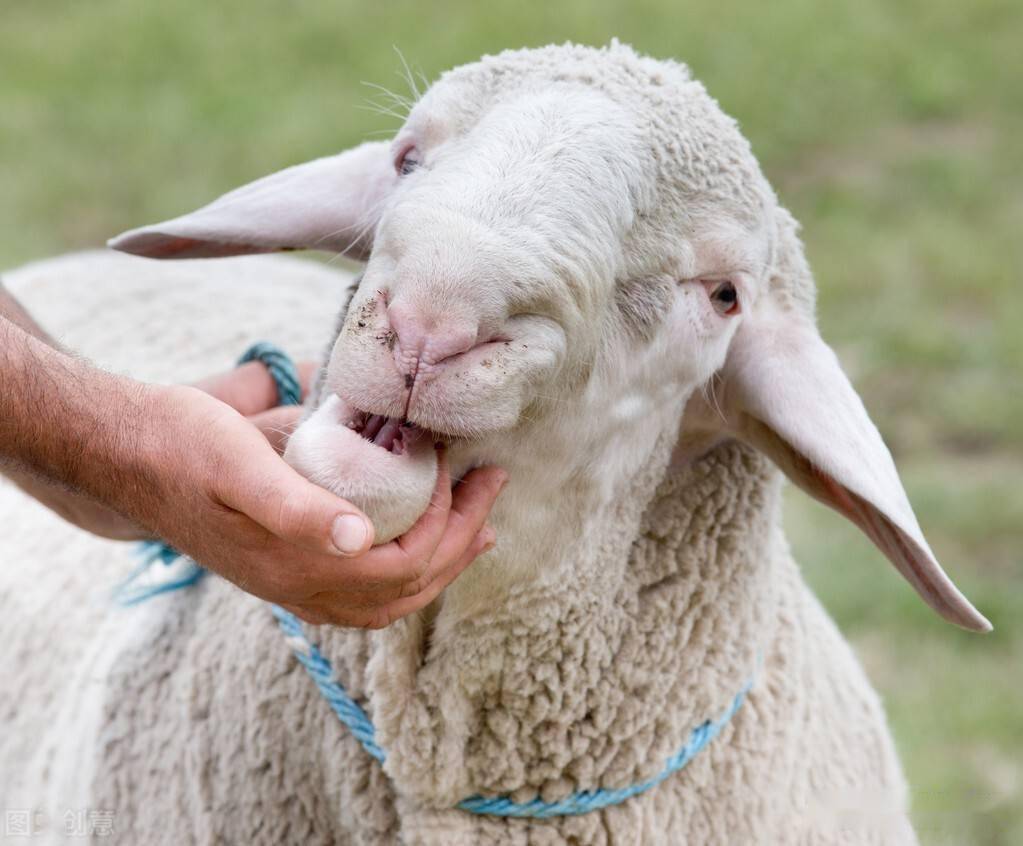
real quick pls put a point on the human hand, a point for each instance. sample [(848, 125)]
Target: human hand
[(212, 485), (248, 389)]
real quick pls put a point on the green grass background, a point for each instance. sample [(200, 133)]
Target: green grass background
[(894, 132)]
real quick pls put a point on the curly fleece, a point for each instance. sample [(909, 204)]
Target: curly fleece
[(198, 726)]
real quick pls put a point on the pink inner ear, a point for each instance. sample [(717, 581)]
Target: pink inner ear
[(887, 537), (915, 565)]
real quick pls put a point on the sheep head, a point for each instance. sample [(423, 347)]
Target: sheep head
[(573, 245)]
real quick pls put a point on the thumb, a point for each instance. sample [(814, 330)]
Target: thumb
[(292, 508)]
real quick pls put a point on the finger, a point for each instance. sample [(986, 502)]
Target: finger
[(483, 542), (470, 506), (259, 484), (419, 542), (248, 389), (277, 424)]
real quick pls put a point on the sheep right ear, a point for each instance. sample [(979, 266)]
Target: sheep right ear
[(330, 204), (785, 393)]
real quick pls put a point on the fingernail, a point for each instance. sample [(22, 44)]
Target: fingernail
[(349, 533), (489, 537)]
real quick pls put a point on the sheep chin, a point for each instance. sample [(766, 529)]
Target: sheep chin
[(393, 489)]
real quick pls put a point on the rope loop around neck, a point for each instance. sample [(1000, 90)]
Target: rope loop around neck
[(580, 802)]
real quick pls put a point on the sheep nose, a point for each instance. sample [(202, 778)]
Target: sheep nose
[(425, 339)]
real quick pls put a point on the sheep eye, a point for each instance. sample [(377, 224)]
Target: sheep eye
[(725, 298), (408, 161)]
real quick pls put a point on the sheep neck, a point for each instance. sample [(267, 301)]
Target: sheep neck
[(651, 595)]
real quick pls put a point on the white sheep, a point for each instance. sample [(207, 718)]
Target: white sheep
[(570, 251)]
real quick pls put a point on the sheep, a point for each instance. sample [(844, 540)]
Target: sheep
[(575, 270)]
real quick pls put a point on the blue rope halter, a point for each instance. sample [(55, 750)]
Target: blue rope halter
[(580, 802), (347, 709)]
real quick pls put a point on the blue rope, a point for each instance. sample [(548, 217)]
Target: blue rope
[(318, 667), (289, 392), (282, 369), (580, 802), (584, 801), (130, 591)]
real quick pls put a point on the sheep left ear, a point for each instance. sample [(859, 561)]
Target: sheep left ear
[(786, 394), (332, 204)]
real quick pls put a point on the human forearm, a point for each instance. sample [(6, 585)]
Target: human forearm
[(51, 425), (43, 463)]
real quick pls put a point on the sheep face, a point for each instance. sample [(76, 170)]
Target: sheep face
[(530, 247)]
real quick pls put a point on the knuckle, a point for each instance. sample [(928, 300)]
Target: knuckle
[(412, 568), (486, 537), (415, 584), (406, 589), (420, 567)]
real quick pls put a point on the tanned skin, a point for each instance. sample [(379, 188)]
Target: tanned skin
[(200, 468)]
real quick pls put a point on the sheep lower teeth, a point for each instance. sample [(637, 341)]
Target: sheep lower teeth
[(385, 432)]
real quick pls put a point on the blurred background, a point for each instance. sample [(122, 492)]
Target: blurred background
[(892, 130)]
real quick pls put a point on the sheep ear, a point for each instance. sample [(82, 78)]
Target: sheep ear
[(330, 204), (788, 396)]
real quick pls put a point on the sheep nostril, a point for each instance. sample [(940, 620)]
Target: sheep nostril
[(422, 341)]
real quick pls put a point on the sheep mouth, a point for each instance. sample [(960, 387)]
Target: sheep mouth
[(389, 433), (396, 434)]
